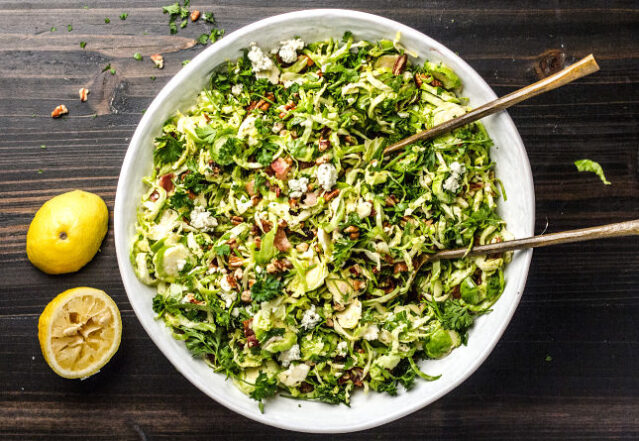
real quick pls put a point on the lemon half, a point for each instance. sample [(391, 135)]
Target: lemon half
[(67, 231), (79, 332)]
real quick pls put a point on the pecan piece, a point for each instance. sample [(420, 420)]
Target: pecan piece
[(331, 195), (195, 15), (400, 64), (59, 111), (158, 60), (83, 92), (235, 261), (391, 201), (236, 220)]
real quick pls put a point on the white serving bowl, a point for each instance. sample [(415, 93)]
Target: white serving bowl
[(367, 410)]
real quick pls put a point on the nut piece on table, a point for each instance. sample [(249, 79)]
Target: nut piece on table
[(158, 60), (59, 111), (83, 92), (195, 15)]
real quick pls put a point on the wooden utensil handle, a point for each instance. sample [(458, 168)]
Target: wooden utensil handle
[(581, 68), (628, 228)]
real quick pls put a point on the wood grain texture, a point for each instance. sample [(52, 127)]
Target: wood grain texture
[(581, 302)]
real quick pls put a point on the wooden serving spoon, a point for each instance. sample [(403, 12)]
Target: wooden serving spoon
[(580, 69), (629, 228)]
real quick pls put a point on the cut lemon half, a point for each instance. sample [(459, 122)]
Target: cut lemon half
[(79, 332)]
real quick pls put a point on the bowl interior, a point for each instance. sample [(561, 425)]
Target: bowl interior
[(366, 410)]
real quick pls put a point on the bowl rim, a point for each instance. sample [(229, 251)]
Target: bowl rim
[(122, 252)]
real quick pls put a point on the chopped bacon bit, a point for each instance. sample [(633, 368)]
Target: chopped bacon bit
[(456, 293), (476, 185), (251, 341), (166, 182), (293, 134), (236, 220), (293, 202), (154, 196), (436, 83), (400, 267), (195, 15), (281, 167), (319, 73), (282, 115), (289, 106), (255, 200), (282, 223), (84, 92), (324, 144), (235, 261), (331, 195), (158, 60), (191, 194), (59, 111), (400, 64), (281, 241), (310, 199)]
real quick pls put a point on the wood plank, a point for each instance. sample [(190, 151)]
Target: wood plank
[(581, 300)]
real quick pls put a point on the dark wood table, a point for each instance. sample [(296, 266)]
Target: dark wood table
[(566, 368)]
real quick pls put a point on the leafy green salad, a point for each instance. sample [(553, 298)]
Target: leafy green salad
[(282, 242)]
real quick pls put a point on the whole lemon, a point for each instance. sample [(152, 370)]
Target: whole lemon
[(67, 231)]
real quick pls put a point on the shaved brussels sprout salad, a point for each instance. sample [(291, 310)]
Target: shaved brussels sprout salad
[(280, 240)]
